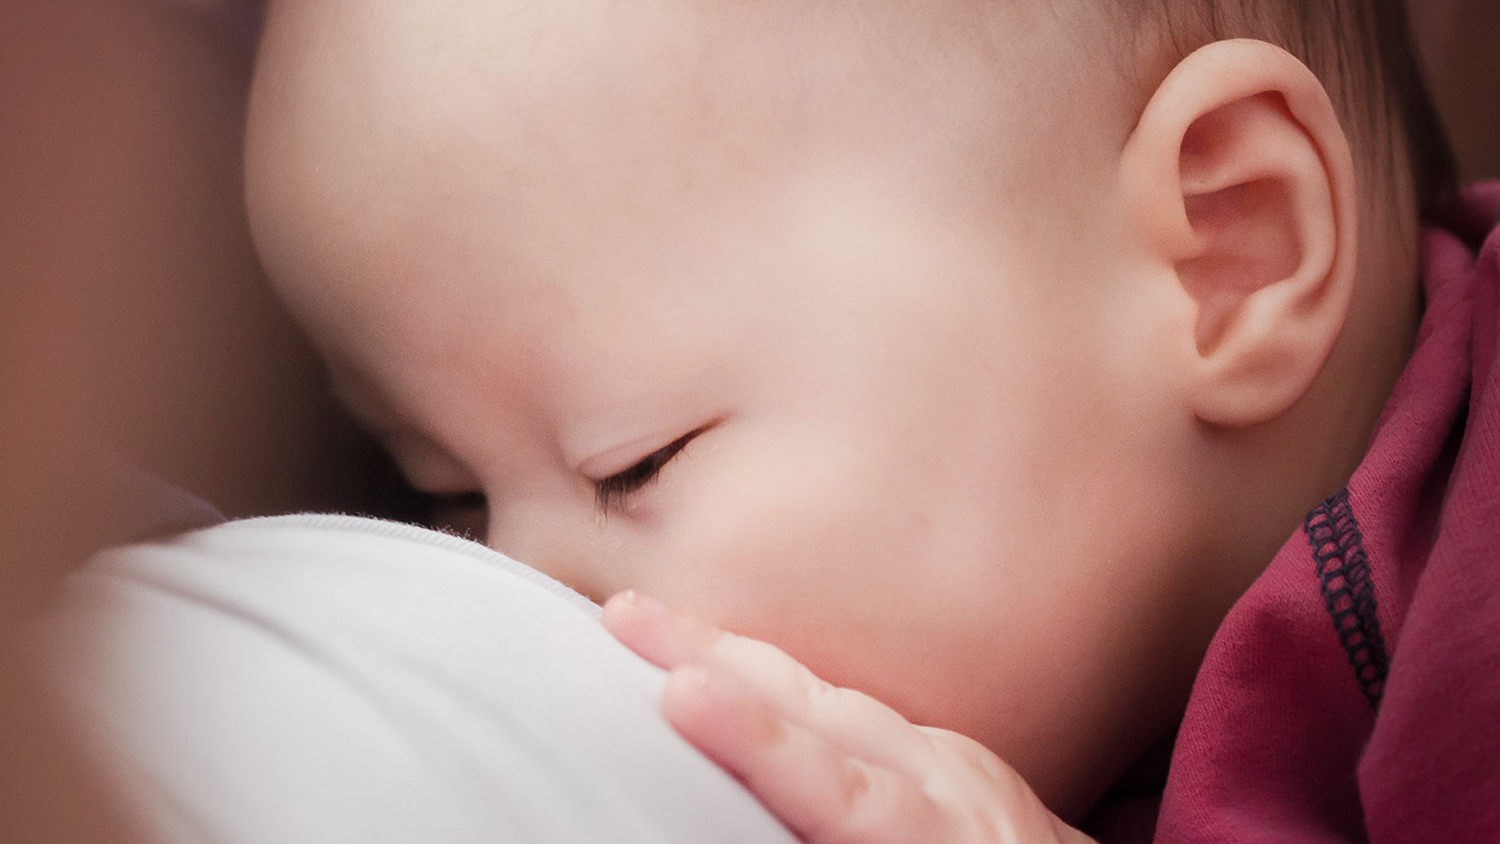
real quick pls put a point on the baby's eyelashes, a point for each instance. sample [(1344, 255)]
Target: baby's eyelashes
[(611, 492)]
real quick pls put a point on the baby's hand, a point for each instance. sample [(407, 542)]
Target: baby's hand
[(834, 764)]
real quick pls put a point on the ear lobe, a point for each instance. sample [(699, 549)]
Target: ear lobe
[(1242, 184)]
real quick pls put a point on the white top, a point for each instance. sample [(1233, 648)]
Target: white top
[(337, 679)]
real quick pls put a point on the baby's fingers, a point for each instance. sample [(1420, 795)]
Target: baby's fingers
[(855, 721), (820, 791), (834, 764), (664, 637)]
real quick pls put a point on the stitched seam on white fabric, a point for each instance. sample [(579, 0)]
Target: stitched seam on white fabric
[(429, 537)]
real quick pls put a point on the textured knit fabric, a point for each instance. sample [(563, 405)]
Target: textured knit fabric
[(1353, 694)]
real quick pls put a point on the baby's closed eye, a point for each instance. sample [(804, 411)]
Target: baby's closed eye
[(612, 491)]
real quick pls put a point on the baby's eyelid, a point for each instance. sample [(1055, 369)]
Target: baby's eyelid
[(610, 492)]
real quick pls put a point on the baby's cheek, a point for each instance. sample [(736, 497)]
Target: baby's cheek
[(766, 523), (794, 555)]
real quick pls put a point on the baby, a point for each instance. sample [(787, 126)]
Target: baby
[(975, 355)]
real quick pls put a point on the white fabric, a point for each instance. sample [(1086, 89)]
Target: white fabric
[(335, 679)]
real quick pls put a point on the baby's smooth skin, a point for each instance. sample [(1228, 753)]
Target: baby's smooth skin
[(917, 341)]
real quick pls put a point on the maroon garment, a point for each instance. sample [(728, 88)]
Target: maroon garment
[(1353, 693)]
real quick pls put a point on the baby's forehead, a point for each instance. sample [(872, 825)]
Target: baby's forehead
[(555, 156), (477, 93), (684, 60)]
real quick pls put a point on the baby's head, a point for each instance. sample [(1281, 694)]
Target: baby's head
[(977, 353)]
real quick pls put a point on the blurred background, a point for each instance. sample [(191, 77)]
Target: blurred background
[(136, 333), (1457, 40), (136, 329)]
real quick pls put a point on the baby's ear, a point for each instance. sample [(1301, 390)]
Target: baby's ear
[(1241, 184)]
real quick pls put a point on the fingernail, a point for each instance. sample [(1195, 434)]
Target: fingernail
[(644, 603)]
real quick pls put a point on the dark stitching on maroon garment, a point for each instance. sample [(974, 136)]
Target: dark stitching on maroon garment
[(1344, 571)]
